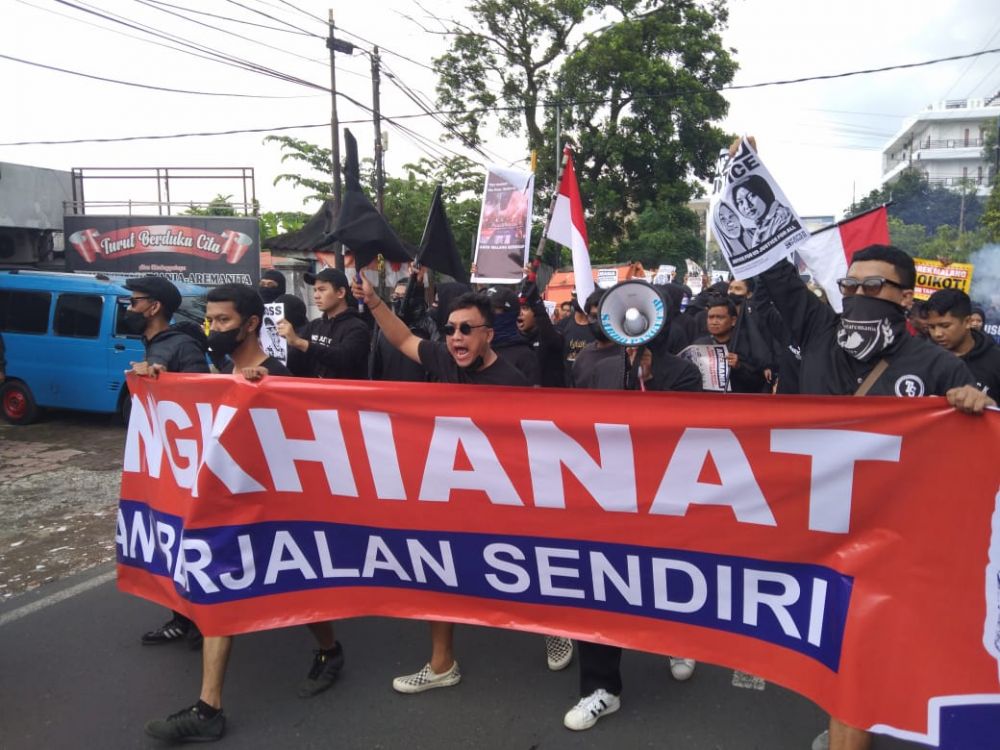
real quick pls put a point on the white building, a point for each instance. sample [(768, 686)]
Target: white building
[(946, 143)]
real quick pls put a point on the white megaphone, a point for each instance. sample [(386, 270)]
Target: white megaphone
[(632, 313)]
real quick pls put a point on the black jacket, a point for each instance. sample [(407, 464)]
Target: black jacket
[(547, 344), (521, 356), (983, 360), (177, 351), (916, 367), (338, 346)]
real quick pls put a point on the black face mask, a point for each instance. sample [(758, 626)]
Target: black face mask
[(224, 343), (134, 322), (737, 299), (869, 326), (598, 330), (269, 293)]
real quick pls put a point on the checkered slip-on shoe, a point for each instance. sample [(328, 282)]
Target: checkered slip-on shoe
[(558, 652), (427, 679)]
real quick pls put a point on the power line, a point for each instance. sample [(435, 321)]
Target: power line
[(123, 139), (866, 71), (273, 18), (386, 49), (142, 85), (303, 12), (154, 5), (227, 18)]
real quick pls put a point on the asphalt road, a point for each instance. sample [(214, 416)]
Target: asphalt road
[(74, 675)]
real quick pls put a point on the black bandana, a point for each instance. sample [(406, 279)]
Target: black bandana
[(869, 326)]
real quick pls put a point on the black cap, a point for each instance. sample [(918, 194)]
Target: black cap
[(330, 275), (157, 288), (502, 298)]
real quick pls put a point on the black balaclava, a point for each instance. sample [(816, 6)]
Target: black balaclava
[(271, 294), (869, 326), (295, 310)]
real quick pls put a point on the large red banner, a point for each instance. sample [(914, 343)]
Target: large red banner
[(848, 549)]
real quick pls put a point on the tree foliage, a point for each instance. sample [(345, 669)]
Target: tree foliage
[(637, 96), (915, 201), (220, 205)]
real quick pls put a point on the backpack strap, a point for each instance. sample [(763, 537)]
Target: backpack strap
[(873, 376)]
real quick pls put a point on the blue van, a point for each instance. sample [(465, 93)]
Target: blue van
[(65, 342)]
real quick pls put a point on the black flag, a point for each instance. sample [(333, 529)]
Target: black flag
[(360, 226), (437, 247)]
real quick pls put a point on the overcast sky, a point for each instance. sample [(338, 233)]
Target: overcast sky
[(821, 140)]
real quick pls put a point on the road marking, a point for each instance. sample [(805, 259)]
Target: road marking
[(740, 680), (59, 596)]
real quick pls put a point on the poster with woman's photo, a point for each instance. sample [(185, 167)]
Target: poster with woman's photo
[(504, 236), (270, 340), (752, 219)]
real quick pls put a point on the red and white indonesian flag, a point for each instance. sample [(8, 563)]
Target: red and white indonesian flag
[(827, 253), (568, 228)]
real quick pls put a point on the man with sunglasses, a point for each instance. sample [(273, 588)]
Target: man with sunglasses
[(867, 351), (465, 357)]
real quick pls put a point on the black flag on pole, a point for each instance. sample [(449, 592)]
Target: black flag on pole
[(437, 247), (362, 229)]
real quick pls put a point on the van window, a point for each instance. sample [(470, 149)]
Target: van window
[(78, 315), (24, 312)]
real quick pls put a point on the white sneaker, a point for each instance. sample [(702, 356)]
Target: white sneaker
[(426, 679), (586, 713), (558, 652), (822, 741), (681, 669)]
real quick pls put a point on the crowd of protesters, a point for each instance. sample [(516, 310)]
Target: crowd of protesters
[(779, 338)]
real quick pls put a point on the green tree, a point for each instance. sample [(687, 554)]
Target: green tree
[(990, 221), (915, 201), (273, 223), (638, 97), (220, 205)]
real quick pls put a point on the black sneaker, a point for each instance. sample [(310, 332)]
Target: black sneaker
[(169, 632), (188, 725), (323, 673)]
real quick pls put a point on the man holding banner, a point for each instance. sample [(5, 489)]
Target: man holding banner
[(234, 313), (465, 357), (867, 351)]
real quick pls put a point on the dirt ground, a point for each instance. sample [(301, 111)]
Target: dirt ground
[(59, 482)]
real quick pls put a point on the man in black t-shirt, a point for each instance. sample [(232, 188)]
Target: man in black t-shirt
[(465, 357), (234, 313)]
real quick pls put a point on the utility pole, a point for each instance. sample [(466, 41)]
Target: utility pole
[(331, 44), (379, 167)]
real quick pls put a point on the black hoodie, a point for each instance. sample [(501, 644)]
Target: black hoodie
[(984, 361), (178, 350), (338, 346)]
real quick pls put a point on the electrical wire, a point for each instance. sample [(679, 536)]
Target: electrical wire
[(154, 5), (227, 18), (273, 18), (142, 85)]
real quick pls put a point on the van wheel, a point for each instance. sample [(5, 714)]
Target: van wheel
[(17, 403), (124, 406)]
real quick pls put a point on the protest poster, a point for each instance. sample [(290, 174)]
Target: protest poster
[(270, 340), (748, 532), (607, 277), (933, 275), (664, 274), (710, 359), (695, 276), (752, 220), (504, 236)]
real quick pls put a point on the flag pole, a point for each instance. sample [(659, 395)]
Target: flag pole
[(552, 208)]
